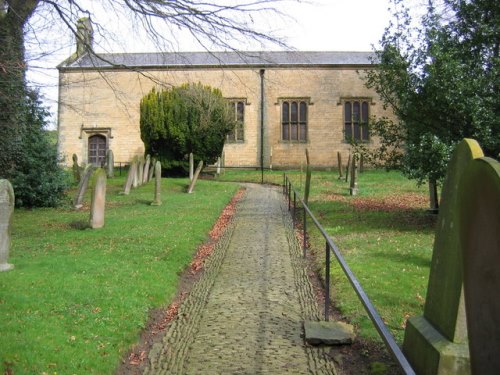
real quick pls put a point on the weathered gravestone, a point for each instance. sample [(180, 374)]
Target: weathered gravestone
[(353, 185), (146, 170), (132, 170), (82, 187), (110, 164), (152, 169), (195, 177), (75, 168), (436, 343), (433, 197), (191, 166), (348, 165), (218, 166), (140, 170), (307, 187), (157, 200), (479, 227), (135, 165), (98, 203), (7, 201), (339, 165)]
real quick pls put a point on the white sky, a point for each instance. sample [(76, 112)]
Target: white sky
[(315, 25)]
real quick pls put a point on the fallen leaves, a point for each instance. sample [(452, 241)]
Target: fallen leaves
[(399, 202)]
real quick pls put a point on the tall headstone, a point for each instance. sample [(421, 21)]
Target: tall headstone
[(195, 177), (152, 169), (135, 165), (433, 197), (307, 187), (348, 165), (146, 170), (110, 164), (140, 170), (436, 343), (7, 201), (98, 203), (82, 187), (218, 166), (479, 227), (76, 168), (157, 200), (353, 184), (132, 170), (191, 166), (339, 165)]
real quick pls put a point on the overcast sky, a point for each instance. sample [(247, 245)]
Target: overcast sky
[(315, 25)]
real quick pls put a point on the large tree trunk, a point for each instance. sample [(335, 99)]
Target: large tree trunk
[(13, 16)]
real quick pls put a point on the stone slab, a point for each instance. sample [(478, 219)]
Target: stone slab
[(328, 333)]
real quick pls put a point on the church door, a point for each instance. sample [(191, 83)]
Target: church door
[(97, 150)]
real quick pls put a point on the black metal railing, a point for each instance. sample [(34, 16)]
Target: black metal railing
[(330, 246)]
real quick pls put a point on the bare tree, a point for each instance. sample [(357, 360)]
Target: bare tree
[(217, 23)]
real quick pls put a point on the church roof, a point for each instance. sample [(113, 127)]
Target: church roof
[(258, 59)]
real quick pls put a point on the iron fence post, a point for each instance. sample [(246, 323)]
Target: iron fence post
[(294, 206), (289, 197), (327, 281)]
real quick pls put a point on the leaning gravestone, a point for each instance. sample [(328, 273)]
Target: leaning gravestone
[(191, 166), (82, 187), (76, 168), (135, 165), (353, 184), (140, 171), (7, 201), (132, 170), (152, 169), (110, 164), (146, 170), (479, 227), (339, 164), (348, 165), (195, 177), (98, 203), (157, 200), (436, 343)]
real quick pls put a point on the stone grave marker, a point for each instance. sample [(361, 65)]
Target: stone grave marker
[(433, 197), (348, 165), (110, 164), (152, 169), (135, 165), (218, 166), (191, 166), (146, 170), (339, 165), (195, 177), (7, 201), (82, 187), (76, 168), (132, 170), (353, 184), (98, 203), (140, 170), (479, 228), (436, 342), (157, 200), (307, 187)]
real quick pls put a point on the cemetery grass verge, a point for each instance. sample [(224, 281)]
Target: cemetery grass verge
[(78, 298)]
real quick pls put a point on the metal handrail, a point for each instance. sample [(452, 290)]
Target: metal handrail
[(330, 246)]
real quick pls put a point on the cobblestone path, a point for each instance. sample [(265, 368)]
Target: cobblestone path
[(245, 315)]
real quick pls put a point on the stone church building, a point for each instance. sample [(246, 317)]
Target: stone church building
[(284, 102)]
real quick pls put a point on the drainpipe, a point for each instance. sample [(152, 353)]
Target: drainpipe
[(262, 71)]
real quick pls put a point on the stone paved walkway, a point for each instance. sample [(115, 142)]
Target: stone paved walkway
[(245, 315)]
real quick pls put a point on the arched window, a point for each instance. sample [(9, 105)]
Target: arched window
[(356, 120), (237, 106), (97, 150)]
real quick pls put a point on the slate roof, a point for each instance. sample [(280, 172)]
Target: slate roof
[(258, 59)]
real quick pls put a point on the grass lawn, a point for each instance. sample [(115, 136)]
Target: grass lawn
[(385, 235), (78, 298)]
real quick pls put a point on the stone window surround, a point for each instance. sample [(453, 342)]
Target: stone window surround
[(360, 99), (245, 104), (298, 99)]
